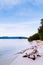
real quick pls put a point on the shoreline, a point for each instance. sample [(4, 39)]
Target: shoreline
[(26, 61)]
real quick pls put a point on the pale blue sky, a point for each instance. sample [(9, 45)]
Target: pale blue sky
[(20, 17)]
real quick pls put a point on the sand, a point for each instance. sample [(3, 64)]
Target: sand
[(26, 61)]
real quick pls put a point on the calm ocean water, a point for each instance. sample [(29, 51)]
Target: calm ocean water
[(8, 47)]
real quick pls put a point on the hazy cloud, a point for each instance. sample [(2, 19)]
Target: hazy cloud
[(11, 3)]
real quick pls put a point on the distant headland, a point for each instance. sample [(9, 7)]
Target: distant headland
[(16, 37)]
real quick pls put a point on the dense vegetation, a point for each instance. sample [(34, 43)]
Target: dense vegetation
[(34, 37), (40, 30), (38, 35)]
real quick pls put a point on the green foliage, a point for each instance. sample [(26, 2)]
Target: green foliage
[(38, 35), (34, 37), (40, 30), (42, 21), (41, 35)]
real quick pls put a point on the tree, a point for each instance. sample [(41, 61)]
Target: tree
[(34, 37), (40, 30), (38, 35), (42, 21)]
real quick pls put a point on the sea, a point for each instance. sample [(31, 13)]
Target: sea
[(9, 48)]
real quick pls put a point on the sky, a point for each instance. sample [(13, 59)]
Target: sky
[(20, 17)]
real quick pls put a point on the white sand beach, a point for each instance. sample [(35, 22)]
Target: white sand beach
[(26, 61)]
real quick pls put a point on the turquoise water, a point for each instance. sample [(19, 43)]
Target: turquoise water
[(9, 47)]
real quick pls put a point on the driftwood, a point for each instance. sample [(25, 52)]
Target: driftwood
[(22, 51)]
